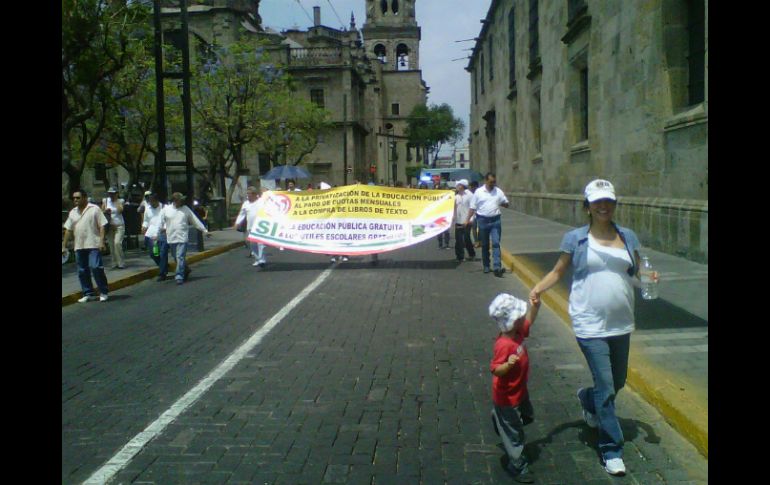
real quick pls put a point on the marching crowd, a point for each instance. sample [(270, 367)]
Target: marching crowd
[(604, 258)]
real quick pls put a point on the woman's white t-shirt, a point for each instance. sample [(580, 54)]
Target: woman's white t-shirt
[(602, 304)]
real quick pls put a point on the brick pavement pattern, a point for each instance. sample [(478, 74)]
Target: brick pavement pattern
[(379, 377)]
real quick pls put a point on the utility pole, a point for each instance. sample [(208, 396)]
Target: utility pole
[(161, 181), (345, 138)]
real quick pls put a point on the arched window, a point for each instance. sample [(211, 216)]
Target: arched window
[(394, 7), (381, 53), (384, 6), (402, 57)]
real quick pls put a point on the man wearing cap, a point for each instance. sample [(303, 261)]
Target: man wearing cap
[(485, 205), (175, 221), (462, 232), (87, 223), (113, 210), (153, 236)]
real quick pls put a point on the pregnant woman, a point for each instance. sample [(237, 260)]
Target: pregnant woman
[(605, 263)]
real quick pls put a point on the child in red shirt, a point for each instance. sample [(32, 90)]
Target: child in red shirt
[(510, 367)]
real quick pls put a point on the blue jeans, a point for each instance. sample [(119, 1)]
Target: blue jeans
[(179, 252), (161, 259), (607, 357), (90, 261), (490, 226)]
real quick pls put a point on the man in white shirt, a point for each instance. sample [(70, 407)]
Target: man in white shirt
[(154, 237), (485, 205), (462, 232), (86, 221), (175, 219), (113, 209), (249, 213)]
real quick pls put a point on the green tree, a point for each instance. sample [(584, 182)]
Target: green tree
[(294, 128), (243, 104), (99, 39), (130, 131), (431, 127)]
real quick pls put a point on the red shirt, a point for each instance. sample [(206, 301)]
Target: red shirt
[(510, 389)]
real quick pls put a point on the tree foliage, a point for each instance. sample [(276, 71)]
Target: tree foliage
[(431, 127), (99, 39), (242, 104)]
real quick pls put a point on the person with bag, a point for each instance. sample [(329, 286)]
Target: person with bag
[(86, 223), (113, 210)]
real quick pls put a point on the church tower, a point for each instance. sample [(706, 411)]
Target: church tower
[(391, 34)]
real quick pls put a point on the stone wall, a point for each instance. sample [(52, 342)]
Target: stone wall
[(674, 226), (642, 135)]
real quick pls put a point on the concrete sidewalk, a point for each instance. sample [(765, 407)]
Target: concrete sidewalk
[(139, 265), (669, 349)]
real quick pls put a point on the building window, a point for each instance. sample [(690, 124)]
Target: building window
[(394, 109), (481, 71), (696, 51), (462, 157), (574, 8), (317, 97), (511, 49), (475, 88), (384, 6), (402, 57), (491, 58), (536, 122), (100, 172), (394, 7), (534, 34), (381, 53), (584, 104)]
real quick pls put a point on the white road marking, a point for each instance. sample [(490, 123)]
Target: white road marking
[(127, 453)]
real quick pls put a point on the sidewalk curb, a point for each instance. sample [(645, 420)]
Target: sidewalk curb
[(642, 378), (149, 273)]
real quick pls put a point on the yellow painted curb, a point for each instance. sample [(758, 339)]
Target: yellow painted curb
[(149, 273), (647, 380)]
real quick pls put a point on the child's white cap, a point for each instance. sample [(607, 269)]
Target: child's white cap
[(506, 309)]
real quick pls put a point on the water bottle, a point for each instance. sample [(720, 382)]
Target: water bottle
[(649, 286), (156, 249)]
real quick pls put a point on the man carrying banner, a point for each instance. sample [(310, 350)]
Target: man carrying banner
[(249, 212), (485, 204)]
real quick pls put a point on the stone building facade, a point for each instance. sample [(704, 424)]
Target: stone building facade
[(566, 91)]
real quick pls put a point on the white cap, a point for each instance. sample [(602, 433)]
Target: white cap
[(506, 309), (599, 189), (463, 182), (112, 190), (324, 186), (147, 192)]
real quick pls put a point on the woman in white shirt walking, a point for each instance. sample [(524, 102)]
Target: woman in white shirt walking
[(605, 262)]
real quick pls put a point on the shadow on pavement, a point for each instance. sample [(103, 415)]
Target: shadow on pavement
[(589, 437)]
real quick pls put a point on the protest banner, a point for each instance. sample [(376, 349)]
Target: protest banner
[(351, 220)]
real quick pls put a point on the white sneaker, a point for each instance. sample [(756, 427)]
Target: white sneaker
[(333, 259), (615, 466), (344, 258), (589, 418), (86, 298), (280, 248), (255, 263), (103, 297)]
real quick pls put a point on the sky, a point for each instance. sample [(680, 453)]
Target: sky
[(443, 22)]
